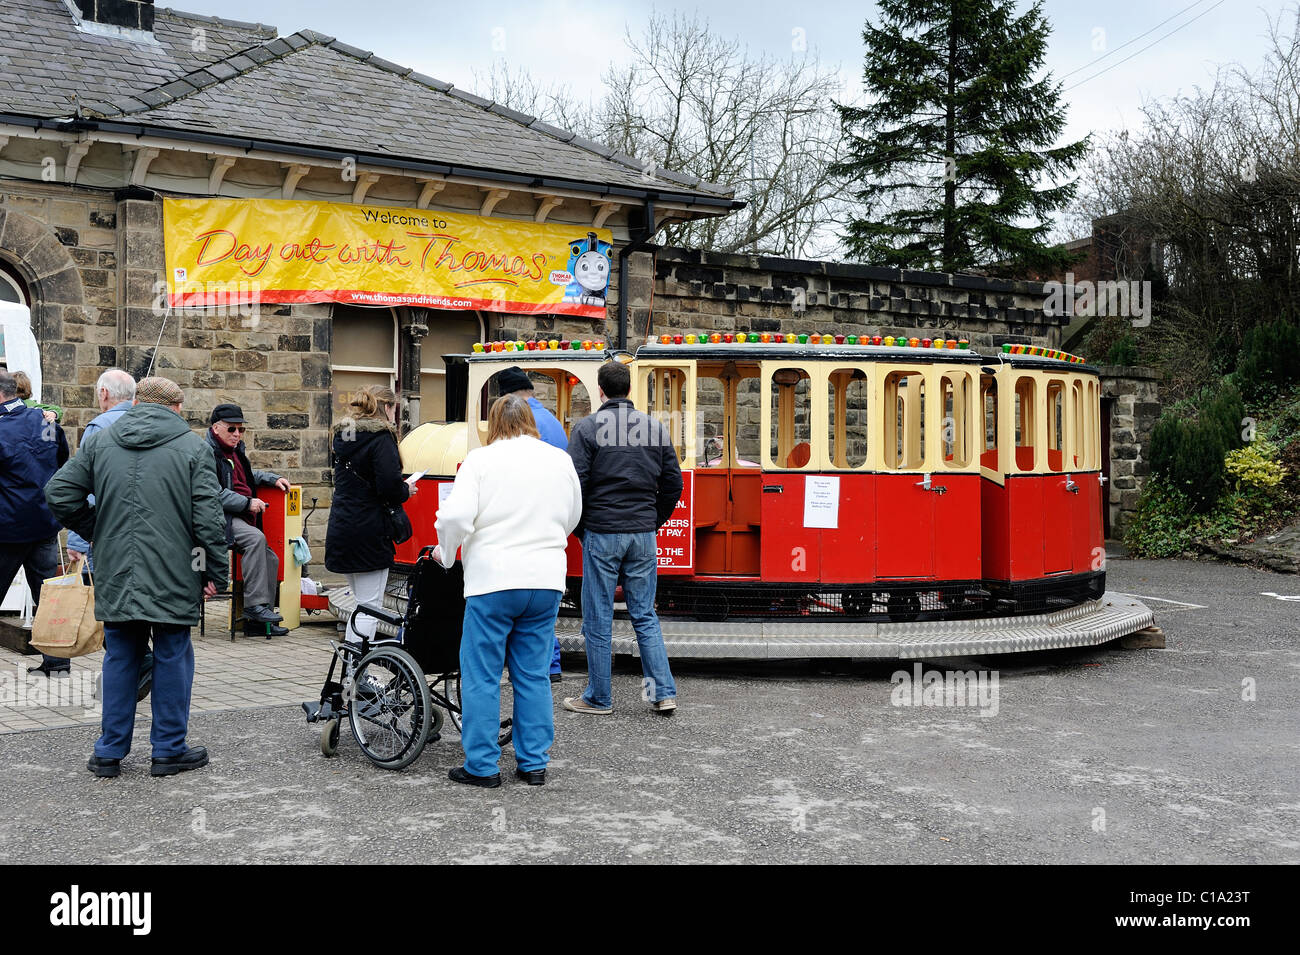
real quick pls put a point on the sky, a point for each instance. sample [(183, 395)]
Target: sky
[(572, 42)]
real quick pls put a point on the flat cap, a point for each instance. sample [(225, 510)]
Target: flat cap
[(159, 391)]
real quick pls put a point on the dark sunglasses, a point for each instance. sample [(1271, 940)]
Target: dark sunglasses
[(237, 428)]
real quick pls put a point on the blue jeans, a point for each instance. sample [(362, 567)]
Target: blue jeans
[(125, 645), (515, 627), (604, 558)]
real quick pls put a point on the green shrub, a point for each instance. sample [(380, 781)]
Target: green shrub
[(1227, 411), (1255, 466), (1123, 351), (1161, 525), (1188, 456), (1269, 361)]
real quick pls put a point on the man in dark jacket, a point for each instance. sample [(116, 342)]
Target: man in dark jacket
[(31, 449), (239, 484), (159, 540), (631, 482)]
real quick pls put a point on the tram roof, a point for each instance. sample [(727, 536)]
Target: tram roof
[(810, 352)]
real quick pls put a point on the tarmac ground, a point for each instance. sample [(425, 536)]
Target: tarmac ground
[(1102, 755)]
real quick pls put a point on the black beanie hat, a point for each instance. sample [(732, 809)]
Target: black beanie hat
[(513, 379)]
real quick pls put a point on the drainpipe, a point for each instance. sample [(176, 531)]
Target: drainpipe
[(640, 243)]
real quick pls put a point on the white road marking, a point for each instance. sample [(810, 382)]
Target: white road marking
[(1166, 600), (1269, 593)]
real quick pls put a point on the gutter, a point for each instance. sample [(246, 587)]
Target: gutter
[(67, 125)]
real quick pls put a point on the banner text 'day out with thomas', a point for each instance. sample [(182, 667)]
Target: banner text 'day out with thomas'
[(279, 250)]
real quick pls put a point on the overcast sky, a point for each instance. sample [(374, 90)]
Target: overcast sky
[(571, 42)]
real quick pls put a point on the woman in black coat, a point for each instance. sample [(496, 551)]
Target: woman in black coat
[(367, 478)]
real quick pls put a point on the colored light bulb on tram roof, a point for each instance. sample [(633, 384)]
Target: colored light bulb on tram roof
[(925, 343), (728, 338), (937, 343), (963, 343), (552, 344), (913, 342), (875, 339), (889, 340), (715, 338), (678, 339), (765, 337), (690, 339), (846, 339), (478, 346), (530, 346), (576, 345)]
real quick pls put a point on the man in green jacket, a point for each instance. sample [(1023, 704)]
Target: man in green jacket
[(160, 542)]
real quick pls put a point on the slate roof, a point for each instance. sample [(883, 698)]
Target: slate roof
[(45, 61), (304, 89)]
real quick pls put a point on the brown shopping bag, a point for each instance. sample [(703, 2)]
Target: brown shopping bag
[(65, 624)]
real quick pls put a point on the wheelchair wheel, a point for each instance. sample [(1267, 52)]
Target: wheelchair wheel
[(389, 707), (329, 738), (507, 705)]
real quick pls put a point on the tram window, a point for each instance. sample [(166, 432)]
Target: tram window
[(1055, 425), (846, 396), (727, 417), (579, 404), (791, 405), (904, 419), (749, 422), (989, 439), (1026, 423), (668, 403), (710, 405), (955, 390), (1082, 453)]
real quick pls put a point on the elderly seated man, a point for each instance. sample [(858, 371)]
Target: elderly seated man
[(239, 483)]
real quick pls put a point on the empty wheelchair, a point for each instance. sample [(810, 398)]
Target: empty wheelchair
[(393, 688)]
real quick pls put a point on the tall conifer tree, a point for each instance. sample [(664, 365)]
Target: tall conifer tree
[(953, 156)]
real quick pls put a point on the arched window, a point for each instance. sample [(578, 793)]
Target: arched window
[(12, 288)]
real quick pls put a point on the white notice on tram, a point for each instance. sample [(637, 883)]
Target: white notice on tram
[(821, 501)]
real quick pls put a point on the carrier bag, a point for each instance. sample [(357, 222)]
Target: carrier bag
[(65, 624)]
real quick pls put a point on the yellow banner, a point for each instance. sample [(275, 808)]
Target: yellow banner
[(228, 251)]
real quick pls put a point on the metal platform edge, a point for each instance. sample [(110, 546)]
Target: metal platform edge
[(1088, 624)]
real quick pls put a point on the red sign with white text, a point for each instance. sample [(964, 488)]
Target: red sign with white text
[(676, 539)]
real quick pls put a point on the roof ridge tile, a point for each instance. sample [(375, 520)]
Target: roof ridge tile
[(265, 29)]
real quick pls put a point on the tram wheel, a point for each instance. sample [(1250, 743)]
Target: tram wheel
[(390, 708), (329, 738), (903, 607)]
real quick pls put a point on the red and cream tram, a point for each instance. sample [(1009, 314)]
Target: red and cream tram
[(839, 491)]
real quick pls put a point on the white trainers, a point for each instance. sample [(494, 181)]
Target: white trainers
[(665, 706), (577, 704)]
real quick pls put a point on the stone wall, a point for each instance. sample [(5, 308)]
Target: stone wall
[(1134, 412), (709, 292)]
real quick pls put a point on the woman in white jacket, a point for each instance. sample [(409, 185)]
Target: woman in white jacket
[(510, 512)]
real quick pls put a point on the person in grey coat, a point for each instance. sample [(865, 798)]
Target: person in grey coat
[(239, 483)]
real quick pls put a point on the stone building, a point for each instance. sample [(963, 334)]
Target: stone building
[(108, 108)]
